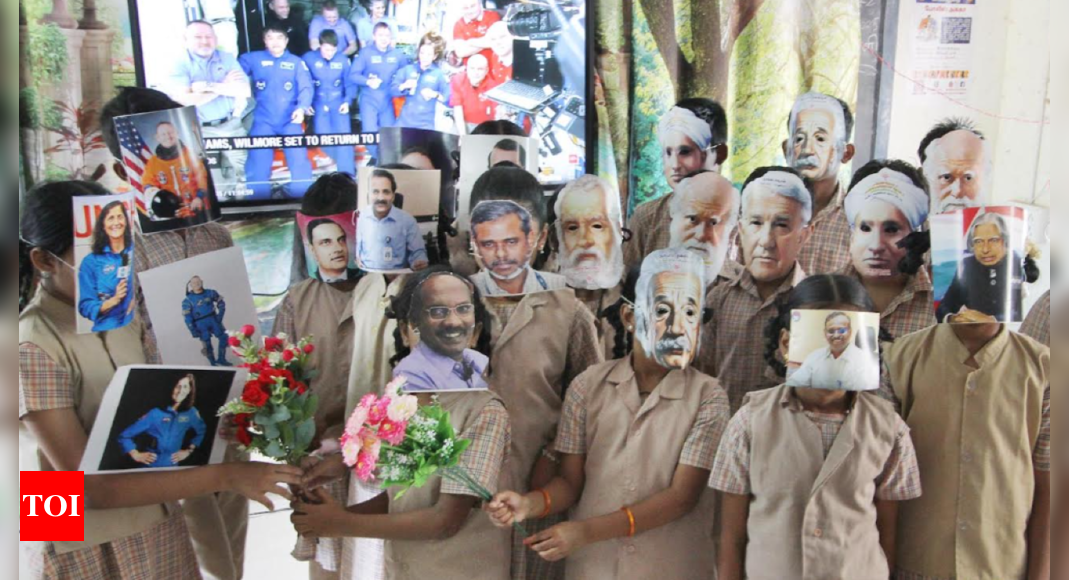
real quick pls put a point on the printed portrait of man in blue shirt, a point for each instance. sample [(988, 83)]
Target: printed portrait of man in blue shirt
[(443, 312), (388, 238)]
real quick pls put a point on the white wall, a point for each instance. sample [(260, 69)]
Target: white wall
[(1009, 92)]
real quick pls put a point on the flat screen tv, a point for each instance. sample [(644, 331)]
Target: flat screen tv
[(277, 112)]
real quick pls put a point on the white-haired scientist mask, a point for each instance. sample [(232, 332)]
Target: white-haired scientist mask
[(669, 300)]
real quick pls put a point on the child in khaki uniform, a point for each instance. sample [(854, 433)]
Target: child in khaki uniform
[(133, 525), (437, 527), (811, 478), (648, 409)]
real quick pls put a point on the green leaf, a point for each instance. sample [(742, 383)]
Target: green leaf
[(281, 415), (311, 405), (306, 431), (274, 451), (271, 432), (288, 436), (263, 419)]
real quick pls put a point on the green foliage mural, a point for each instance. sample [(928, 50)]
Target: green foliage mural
[(753, 56)]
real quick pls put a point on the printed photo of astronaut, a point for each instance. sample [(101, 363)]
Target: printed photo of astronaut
[(398, 218), (194, 302), (834, 350), (978, 265), (287, 90), (166, 418), (104, 261), (164, 157)]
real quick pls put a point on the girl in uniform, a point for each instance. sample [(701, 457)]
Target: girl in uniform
[(637, 440), (435, 528), (133, 527), (887, 204), (423, 85), (811, 477)]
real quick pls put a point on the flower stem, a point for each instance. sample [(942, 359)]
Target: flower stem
[(460, 475)]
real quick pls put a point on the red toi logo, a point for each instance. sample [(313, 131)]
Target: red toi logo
[(53, 506)]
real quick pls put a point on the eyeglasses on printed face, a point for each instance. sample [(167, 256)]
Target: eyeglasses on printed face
[(838, 331), (440, 313)]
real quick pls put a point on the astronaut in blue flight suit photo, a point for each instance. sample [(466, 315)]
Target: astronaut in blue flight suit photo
[(105, 293), (169, 426), (373, 71), (333, 94), (423, 84), (204, 311), (282, 87)]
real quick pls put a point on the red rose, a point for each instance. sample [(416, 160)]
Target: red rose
[(255, 395), (244, 437), (272, 344), (288, 356), (248, 330), (301, 389), (309, 349), (235, 342)]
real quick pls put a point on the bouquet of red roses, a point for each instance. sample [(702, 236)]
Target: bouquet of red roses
[(275, 415)]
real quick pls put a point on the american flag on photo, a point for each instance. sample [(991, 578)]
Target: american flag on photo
[(135, 154)]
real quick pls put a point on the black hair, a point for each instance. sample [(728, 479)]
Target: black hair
[(417, 150), (491, 211), (848, 117), (510, 183), (47, 223), (623, 341), (712, 113), (312, 225), (331, 194), (762, 171), (409, 300), (329, 5), (328, 37), (100, 236), (380, 24), (508, 145), (130, 101), (383, 174), (275, 27), (814, 293), (500, 127), (944, 128)]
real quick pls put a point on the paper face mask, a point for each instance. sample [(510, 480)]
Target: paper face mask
[(328, 246), (589, 229), (882, 210), (670, 297), (704, 212), (978, 264), (445, 316), (834, 350), (398, 211), (818, 136), (104, 258), (957, 167)]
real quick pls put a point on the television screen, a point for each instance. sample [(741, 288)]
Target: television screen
[(286, 90)]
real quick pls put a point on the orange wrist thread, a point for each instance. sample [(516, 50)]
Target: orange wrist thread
[(630, 520), (546, 499)]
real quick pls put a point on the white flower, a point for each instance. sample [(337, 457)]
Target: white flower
[(275, 359), (394, 387), (350, 450), (356, 421), (403, 408)]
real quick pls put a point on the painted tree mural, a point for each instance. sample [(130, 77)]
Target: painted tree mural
[(753, 56)]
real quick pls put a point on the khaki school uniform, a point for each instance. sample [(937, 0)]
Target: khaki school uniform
[(651, 230), (540, 344), (61, 369), (479, 551), (1037, 324), (828, 249), (316, 309), (632, 448), (813, 481), (981, 431), (218, 522), (912, 310), (369, 373), (733, 344)]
